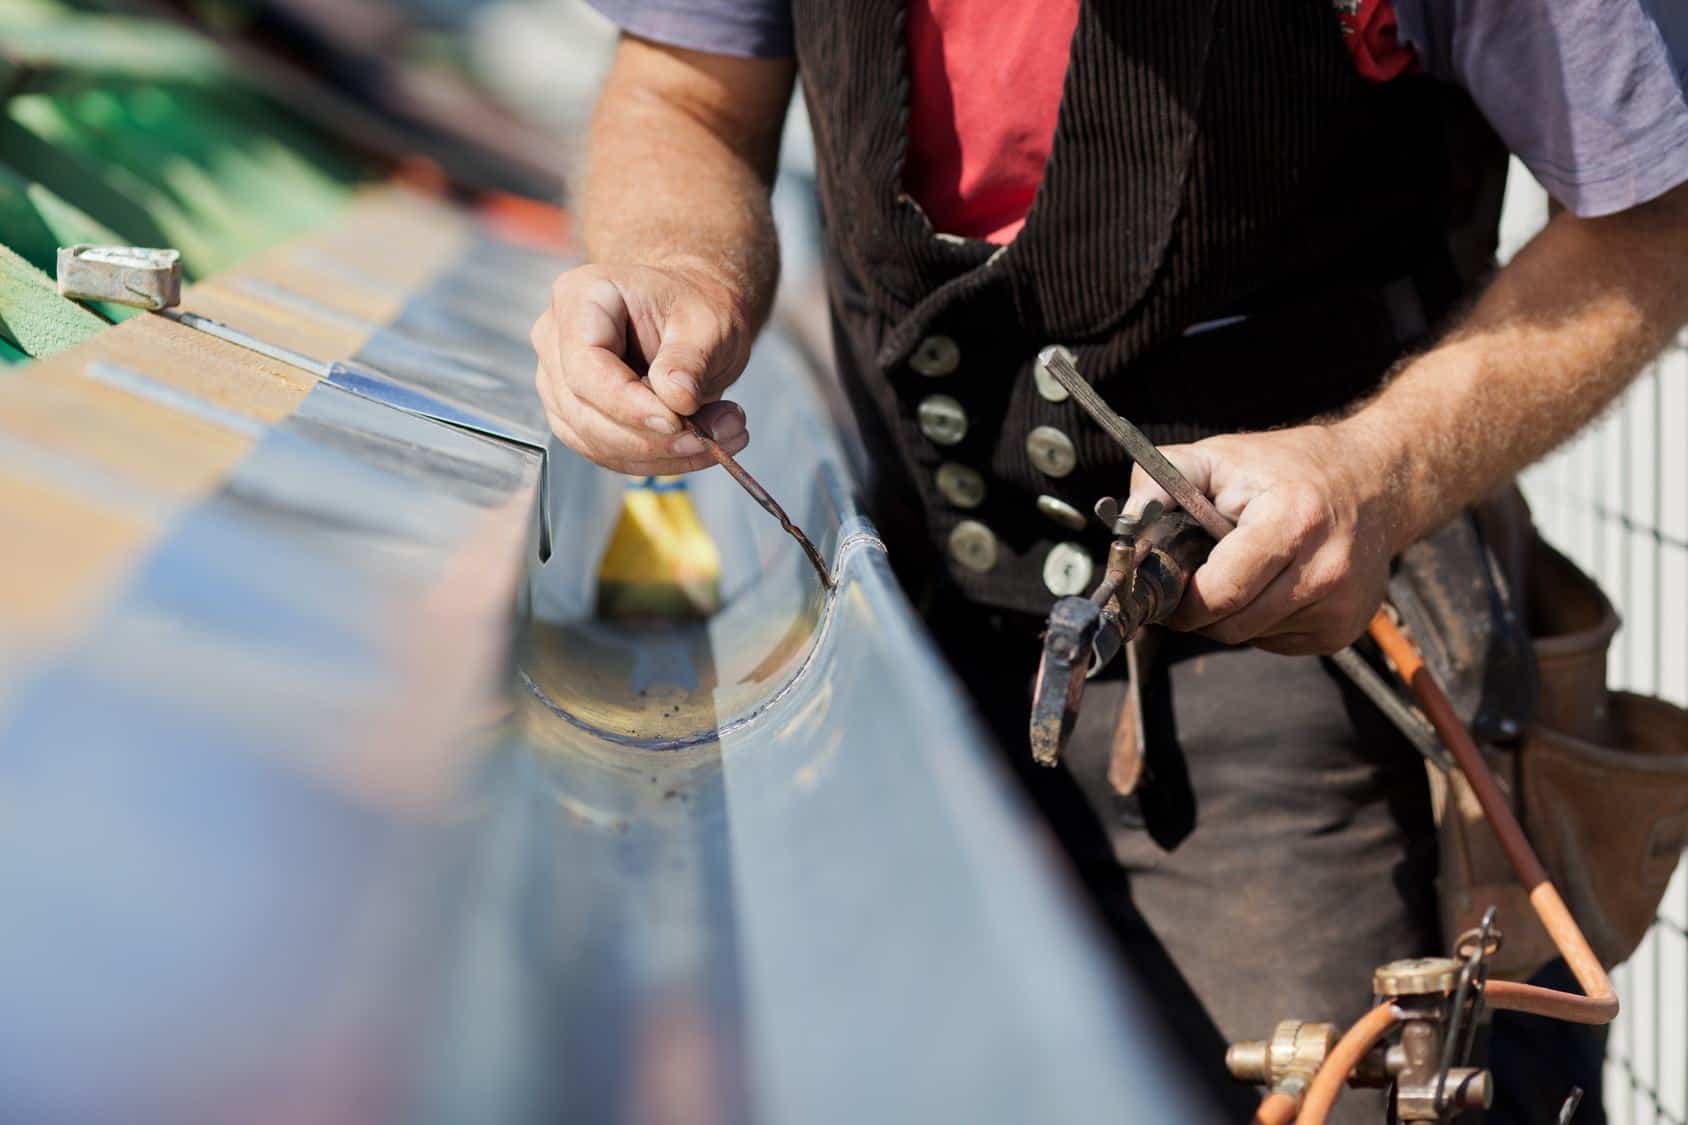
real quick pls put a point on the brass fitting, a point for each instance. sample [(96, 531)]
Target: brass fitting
[(1421, 988), (1293, 1054), (1416, 976)]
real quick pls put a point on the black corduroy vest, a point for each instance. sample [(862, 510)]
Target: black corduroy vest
[(1212, 160)]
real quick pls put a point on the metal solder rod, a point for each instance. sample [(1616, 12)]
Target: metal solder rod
[(1059, 363), (761, 495)]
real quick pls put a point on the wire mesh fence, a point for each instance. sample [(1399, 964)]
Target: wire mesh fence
[(1616, 501)]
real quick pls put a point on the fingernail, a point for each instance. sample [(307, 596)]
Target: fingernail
[(729, 425), (659, 424), (681, 381), (736, 445), (686, 445)]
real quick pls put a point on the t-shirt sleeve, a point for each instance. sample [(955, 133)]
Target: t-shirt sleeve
[(751, 29), (1589, 94)]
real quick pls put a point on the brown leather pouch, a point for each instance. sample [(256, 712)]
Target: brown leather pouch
[(1600, 780)]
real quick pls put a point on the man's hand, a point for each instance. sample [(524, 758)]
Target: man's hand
[(1322, 508), (675, 214), (608, 324), (1316, 527)]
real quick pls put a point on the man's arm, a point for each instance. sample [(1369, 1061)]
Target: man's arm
[(1322, 508), (680, 160)]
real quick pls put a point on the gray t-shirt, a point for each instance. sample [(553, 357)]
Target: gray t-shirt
[(1589, 94)]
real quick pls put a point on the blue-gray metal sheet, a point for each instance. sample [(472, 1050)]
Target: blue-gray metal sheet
[(264, 847)]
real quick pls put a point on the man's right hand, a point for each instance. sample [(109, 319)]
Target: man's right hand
[(675, 324)]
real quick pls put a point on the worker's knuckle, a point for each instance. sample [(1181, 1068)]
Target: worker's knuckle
[(1326, 577), (567, 285), (1214, 593), (575, 372), (1307, 514), (1229, 632), (1338, 557), (564, 410), (1226, 600), (688, 354)]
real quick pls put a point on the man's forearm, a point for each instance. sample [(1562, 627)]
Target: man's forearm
[(680, 161), (1560, 332), (1321, 509)]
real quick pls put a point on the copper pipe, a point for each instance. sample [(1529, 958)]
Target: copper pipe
[(1276, 1108), (1598, 1007), (1601, 1003), (1327, 1084)]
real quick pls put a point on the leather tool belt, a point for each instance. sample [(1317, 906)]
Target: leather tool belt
[(1598, 778)]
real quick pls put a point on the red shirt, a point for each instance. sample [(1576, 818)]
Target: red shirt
[(986, 82)]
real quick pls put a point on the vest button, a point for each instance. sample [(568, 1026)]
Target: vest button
[(1051, 451), (1047, 385), (935, 355), (960, 485), (942, 419), (1061, 512), (973, 545), (1067, 570)]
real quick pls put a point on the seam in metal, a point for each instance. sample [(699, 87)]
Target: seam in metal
[(850, 544)]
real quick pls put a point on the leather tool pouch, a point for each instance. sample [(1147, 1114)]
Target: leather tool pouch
[(1599, 779)]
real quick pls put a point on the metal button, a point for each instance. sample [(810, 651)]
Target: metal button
[(1051, 451), (1061, 512), (942, 419), (1067, 570), (973, 545), (935, 355), (1047, 385), (960, 485)]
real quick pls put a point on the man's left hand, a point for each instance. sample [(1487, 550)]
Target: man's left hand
[(1317, 524)]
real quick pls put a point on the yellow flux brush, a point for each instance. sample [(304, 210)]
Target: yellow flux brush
[(660, 562)]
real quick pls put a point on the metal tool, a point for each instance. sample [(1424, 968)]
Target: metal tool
[(1059, 364), (763, 497), (1149, 563)]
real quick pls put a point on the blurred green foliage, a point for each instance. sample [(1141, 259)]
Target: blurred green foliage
[(121, 129)]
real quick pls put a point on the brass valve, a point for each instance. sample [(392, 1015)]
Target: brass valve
[(1292, 1055), (1424, 988), (1426, 992), (1416, 976)]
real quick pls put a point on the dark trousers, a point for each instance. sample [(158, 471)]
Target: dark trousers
[(1309, 859)]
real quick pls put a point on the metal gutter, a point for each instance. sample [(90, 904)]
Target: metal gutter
[(287, 823)]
